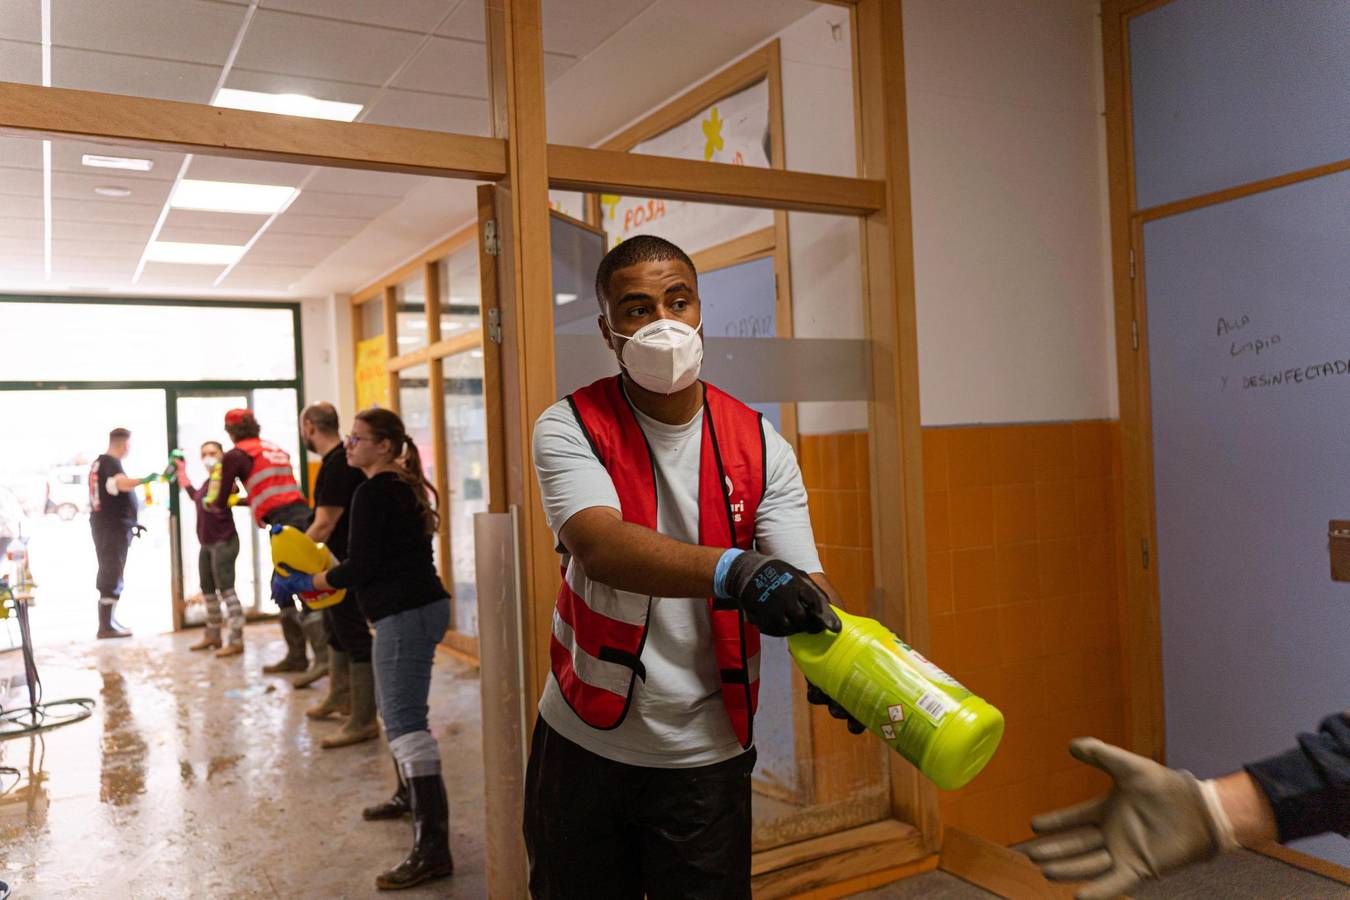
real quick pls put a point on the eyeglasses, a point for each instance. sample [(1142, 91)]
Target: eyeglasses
[(351, 440)]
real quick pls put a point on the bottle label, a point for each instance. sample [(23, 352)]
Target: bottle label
[(935, 705), (925, 665)]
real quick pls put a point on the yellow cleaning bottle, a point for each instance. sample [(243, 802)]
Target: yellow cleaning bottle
[(916, 708), (293, 550)]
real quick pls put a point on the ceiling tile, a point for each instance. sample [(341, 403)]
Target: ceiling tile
[(578, 28), (238, 223), (21, 20), (14, 227), (21, 247), (254, 277), (161, 274), (342, 226), (357, 181), (25, 207), (322, 203), (434, 112), (277, 83), (20, 62), (466, 22), (136, 76), (319, 48), (248, 171), (20, 153), (191, 234), (448, 66), (185, 30), (109, 212), (19, 183), (103, 249), (411, 15), (293, 249), (80, 186), (66, 228)]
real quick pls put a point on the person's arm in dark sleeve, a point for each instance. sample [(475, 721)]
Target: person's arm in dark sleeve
[(1309, 786), (368, 516), (234, 467)]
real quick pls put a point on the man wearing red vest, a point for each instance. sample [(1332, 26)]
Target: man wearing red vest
[(684, 532), (275, 499)]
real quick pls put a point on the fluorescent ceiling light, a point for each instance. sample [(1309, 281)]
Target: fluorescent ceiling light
[(117, 162), (232, 197), (112, 190), (564, 299), (202, 254), (287, 104)]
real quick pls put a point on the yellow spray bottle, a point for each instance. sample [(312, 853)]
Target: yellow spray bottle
[(916, 708), (292, 549)]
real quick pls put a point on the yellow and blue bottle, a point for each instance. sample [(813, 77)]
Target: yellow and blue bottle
[(292, 549), (917, 709)]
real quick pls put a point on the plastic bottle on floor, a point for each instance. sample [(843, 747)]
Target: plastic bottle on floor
[(917, 709)]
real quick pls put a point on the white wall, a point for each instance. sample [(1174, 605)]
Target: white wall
[(319, 350), (1007, 170)]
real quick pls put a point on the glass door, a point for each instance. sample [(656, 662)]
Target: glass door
[(199, 417)]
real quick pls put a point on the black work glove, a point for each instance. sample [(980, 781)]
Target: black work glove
[(779, 599), (137, 530), (820, 698)]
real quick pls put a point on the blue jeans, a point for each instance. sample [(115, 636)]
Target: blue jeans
[(405, 646)]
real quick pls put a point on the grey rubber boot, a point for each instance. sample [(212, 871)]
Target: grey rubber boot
[(317, 635), (361, 725), (294, 660), (339, 699)]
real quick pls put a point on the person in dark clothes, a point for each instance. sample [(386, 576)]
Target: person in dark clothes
[(113, 512), (389, 562), (351, 680), (1157, 820), (274, 496), (219, 543)]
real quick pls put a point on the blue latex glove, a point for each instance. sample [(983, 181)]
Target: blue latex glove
[(285, 582)]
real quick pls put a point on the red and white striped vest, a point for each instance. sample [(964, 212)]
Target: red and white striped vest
[(271, 484), (597, 639)]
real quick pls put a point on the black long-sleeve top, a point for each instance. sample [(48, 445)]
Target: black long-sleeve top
[(389, 556), (1309, 786)]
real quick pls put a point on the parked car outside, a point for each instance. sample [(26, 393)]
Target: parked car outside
[(68, 491)]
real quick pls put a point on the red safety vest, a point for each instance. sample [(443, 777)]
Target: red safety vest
[(271, 484), (597, 639)]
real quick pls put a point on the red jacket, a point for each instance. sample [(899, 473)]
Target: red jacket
[(271, 482), (597, 639)]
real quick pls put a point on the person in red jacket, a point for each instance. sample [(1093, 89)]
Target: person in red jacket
[(684, 531), (273, 495)]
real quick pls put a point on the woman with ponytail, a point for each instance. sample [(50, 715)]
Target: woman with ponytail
[(389, 562)]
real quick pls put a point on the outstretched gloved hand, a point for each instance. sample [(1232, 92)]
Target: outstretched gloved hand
[(285, 582), (779, 599), (818, 697), (1154, 820)]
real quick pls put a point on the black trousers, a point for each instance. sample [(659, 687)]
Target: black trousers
[(348, 631), (111, 542), (599, 829)]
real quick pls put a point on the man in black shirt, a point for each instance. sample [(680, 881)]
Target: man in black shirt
[(351, 684), (112, 519)]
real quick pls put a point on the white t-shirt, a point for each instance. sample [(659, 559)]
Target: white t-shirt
[(676, 718)]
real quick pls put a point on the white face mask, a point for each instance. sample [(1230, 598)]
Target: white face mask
[(210, 462), (664, 357)]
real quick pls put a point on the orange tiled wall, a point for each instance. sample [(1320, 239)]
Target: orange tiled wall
[(1023, 604)]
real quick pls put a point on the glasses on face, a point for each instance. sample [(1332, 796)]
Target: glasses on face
[(351, 440)]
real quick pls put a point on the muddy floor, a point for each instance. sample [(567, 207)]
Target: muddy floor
[(201, 777)]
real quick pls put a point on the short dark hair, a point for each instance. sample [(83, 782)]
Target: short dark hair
[(118, 434), (637, 249), (323, 416), (217, 444), (242, 427)]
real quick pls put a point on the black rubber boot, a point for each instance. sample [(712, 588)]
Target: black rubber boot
[(396, 807), (107, 628), (430, 857)]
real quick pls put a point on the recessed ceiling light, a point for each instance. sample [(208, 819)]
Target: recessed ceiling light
[(117, 162), (112, 190), (201, 254), (232, 197), (287, 104)]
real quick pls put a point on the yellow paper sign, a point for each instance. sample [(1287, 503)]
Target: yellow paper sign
[(372, 378)]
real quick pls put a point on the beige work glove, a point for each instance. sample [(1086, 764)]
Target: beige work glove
[(1153, 821)]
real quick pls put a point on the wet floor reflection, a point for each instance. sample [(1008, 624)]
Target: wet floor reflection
[(199, 777)]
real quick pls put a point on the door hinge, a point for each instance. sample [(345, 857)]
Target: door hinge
[(1143, 546), (494, 317), (1132, 264), (1134, 333), (491, 243)]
